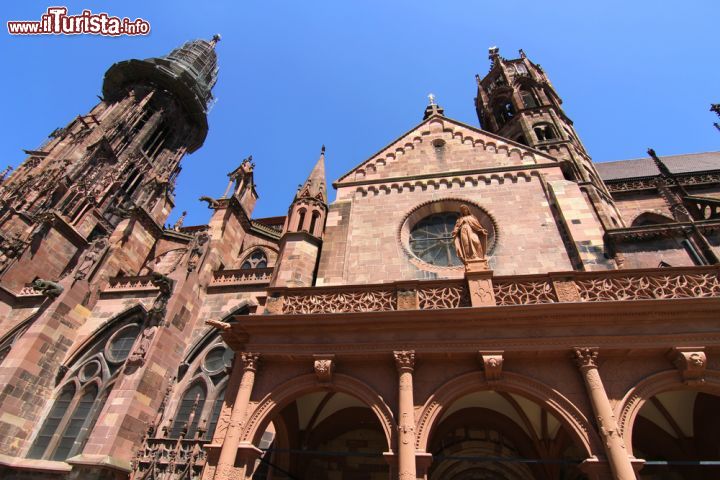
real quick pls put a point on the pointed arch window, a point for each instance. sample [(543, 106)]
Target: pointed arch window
[(257, 259), (188, 412), (313, 222), (215, 414), (84, 390), (528, 98), (80, 416), (301, 220), (52, 421), (202, 392)]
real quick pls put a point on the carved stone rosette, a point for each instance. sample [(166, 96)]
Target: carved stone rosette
[(492, 364), (324, 366), (691, 362)]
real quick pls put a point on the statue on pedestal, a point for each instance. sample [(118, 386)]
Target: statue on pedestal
[(470, 239)]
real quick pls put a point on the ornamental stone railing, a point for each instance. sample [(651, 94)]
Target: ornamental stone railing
[(563, 287), (140, 282), (245, 276)]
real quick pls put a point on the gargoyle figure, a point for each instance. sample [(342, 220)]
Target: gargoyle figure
[(163, 282), (212, 203), (223, 326), (159, 307), (122, 211), (47, 288)]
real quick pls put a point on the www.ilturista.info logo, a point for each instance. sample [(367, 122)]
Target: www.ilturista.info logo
[(57, 22)]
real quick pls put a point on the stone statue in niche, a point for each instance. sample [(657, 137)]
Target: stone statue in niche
[(470, 239), (91, 256), (137, 357)]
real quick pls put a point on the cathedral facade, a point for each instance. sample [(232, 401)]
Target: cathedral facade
[(476, 303)]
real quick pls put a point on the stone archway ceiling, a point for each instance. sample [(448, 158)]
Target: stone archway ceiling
[(314, 407), (516, 407), (672, 411)]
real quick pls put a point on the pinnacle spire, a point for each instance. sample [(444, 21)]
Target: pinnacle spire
[(315, 185)]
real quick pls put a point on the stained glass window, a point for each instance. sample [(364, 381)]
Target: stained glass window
[(431, 240)]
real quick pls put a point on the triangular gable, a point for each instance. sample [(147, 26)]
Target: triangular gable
[(439, 145)]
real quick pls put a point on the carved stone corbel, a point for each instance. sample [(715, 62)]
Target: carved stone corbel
[(492, 362), (324, 366), (691, 362)]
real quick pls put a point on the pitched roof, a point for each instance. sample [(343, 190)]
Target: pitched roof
[(645, 167)]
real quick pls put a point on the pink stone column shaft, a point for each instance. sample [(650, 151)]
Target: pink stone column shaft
[(228, 452), (586, 359), (405, 362)]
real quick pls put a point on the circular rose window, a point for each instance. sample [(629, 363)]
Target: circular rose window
[(431, 240), (426, 234), (121, 343)]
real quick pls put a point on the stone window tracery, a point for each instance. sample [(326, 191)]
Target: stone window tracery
[(431, 239), (257, 259), (197, 411), (83, 390), (425, 235)]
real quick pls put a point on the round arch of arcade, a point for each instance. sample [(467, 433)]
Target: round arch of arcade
[(628, 409), (290, 391), (568, 414)]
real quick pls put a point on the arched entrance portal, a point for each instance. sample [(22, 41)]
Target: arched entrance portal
[(677, 433), (324, 435), (495, 435)]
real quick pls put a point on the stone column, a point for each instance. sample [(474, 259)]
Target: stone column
[(229, 450), (405, 362), (586, 359)]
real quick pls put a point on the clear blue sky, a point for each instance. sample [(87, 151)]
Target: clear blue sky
[(355, 74)]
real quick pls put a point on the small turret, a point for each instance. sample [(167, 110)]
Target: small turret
[(303, 231)]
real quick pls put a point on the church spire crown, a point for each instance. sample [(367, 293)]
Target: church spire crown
[(315, 185)]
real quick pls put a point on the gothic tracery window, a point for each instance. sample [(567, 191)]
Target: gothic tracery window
[(82, 392), (257, 259), (431, 239), (197, 412)]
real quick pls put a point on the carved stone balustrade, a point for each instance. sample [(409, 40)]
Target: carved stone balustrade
[(129, 284), (561, 287), (28, 290), (245, 276)]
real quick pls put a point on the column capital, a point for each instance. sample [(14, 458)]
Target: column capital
[(250, 361), (404, 360), (586, 357)]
